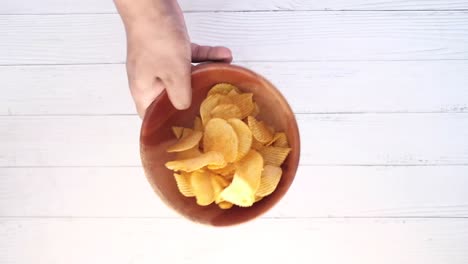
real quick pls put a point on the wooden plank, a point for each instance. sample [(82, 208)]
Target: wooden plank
[(90, 6), (264, 36), (344, 87), (318, 191), (431, 241), (337, 139)]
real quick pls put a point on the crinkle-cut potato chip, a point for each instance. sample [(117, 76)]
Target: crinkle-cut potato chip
[(188, 154), (187, 142), (233, 92), (244, 137), (279, 140), (196, 163), (274, 155), (177, 131), (257, 145), (186, 132), (219, 183), (256, 110), (202, 188), (260, 131), (245, 103), (222, 88), (197, 124), (246, 181), (221, 137), (271, 176), (229, 169), (183, 184), (229, 157), (225, 205), (226, 111)]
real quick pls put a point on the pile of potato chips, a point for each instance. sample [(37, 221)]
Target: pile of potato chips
[(228, 157)]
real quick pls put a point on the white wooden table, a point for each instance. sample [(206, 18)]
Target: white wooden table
[(380, 89)]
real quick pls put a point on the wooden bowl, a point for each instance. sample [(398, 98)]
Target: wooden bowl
[(156, 136)]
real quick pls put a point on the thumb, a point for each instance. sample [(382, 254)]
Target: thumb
[(208, 53)]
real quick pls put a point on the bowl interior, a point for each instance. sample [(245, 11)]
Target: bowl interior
[(156, 136)]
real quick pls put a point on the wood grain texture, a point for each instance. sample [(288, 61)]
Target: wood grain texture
[(337, 139), (336, 87), (318, 191), (354, 241), (90, 6), (264, 36)]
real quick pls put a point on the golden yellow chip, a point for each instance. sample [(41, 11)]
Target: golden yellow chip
[(202, 187), (244, 137), (271, 176), (226, 111), (208, 105), (279, 140), (260, 131), (188, 154), (186, 132), (225, 205), (274, 155), (256, 110), (183, 184), (245, 104), (187, 142), (233, 92), (197, 124), (196, 163), (221, 137), (258, 198), (227, 170), (257, 145), (222, 88), (177, 131), (246, 181), (219, 183)]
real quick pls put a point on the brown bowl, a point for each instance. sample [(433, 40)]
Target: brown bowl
[(156, 136)]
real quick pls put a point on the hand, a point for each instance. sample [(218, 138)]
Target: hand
[(159, 53)]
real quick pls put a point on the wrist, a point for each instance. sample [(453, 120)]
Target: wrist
[(138, 12)]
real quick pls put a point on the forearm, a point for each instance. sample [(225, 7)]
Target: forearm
[(133, 11)]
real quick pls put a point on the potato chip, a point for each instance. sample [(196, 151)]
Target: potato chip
[(187, 142), (197, 124), (257, 145), (244, 102), (188, 154), (271, 176), (196, 163), (186, 132), (274, 155), (260, 131), (244, 137), (228, 156), (221, 137), (177, 131), (279, 140), (227, 170), (246, 181), (225, 205), (207, 106), (202, 187), (256, 110), (233, 92), (226, 111), (222, 88), (183, 184), (219, 183)]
